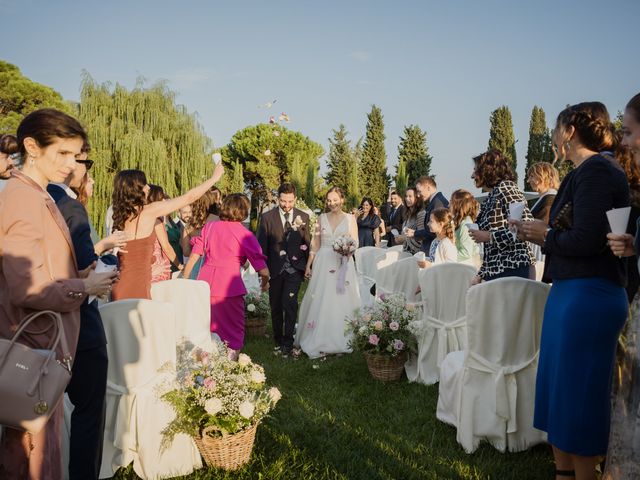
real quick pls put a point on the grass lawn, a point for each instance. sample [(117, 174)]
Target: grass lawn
[(336, 422)]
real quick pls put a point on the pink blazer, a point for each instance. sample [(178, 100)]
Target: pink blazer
[(226, 247), (38, 269)]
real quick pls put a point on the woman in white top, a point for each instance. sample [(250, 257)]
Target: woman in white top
[(324, 310)]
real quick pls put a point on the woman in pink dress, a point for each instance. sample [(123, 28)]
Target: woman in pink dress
[(226, 246)]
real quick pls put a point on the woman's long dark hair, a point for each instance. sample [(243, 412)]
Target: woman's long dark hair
[(128, 198), (370, 202)]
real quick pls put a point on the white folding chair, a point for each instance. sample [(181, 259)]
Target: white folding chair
[(365, 259), (395, 248), (190, 300), (487, 391), (399, 277), (442, 326), (141, 341)]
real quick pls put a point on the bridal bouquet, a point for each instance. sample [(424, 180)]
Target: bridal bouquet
[(344, 246), (383, 327), (212, 391)]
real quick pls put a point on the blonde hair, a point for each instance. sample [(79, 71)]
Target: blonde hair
[(443, 216), (546, 174), (463, 204)]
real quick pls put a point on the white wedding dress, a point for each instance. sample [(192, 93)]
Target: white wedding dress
[(323, 312)]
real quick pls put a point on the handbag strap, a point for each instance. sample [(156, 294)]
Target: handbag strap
[(58, 339)]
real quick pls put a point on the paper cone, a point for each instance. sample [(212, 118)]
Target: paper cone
[(516, 209), (618, 219)]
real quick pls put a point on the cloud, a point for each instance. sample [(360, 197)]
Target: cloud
[(187, 79), (361, 56)]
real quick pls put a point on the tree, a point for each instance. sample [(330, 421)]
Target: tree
[(141, 129), (269, 159), (374, 181), (402, 178), (501, 135), (310, 187), (340, 158), (233, 183), (413, 151), (352, 192), (539, 148), (20, 96)]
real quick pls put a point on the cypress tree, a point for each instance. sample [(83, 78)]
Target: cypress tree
[(145, 129), (310, 187), (501, 135), (340, 158), (401, 178), (537, 148), (413, 151), (373, 167), (353, 186)]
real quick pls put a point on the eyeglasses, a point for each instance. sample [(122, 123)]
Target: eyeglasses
[(87, 163)]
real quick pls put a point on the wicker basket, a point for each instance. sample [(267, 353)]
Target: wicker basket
[(385, 367), (229, 452), (255, 326)]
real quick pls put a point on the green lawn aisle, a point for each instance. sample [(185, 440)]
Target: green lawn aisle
[(336, 422)]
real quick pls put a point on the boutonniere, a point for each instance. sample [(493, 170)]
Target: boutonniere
[(297, 223)]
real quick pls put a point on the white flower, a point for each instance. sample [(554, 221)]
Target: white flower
[(246, 409), (257, 376), (213, 406), (362, 330), (282, 253), (275, 394), (244, 359), (251, 307)]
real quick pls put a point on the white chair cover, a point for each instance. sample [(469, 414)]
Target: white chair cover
[(399, 277), (389, 256), (396, 248), (190, 300), (141, 341), (365, 259), (488, 390), (442, 327)]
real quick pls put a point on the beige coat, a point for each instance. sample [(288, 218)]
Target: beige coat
[(38, 269)]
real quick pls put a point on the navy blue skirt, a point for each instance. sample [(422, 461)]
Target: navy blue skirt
[(583, 318)]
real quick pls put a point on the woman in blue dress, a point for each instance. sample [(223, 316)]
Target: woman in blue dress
[(368, 223), (587, 305)]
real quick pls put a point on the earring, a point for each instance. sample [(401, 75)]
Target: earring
[(567, 146), (32, 160)]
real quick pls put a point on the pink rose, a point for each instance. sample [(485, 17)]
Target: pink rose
[(394, 326), (294, 258), (209, 383), (398, 344), (373, 339), (303, 248)]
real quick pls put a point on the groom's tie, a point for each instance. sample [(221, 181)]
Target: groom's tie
[(287, 223)]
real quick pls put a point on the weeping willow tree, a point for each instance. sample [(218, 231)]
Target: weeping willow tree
[(145, 129)]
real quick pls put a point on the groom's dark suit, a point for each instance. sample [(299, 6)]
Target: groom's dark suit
[(286, 245)]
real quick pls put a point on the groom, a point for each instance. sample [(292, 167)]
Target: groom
[(284, 237)]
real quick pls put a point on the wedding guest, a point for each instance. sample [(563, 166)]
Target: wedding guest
[(464, 210), (174, 233), (137, 218), (368, 224), (39, 272), (184, 216), (163, 254), (427, 190), (8, 148), (504, 254), (623, 456), (88, 384), (206, 209), (226, 246), (397, 214), (382, 229), (587, 305), (415, 216), (544, 179), (442, 248)]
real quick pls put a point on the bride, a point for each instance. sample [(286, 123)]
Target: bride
[(322, 320)]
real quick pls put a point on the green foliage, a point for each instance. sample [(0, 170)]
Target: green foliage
[(310, 187), (539, 148), (340, 159), (145, 129), (256, 304), (402, 178), (413, 151), (353, 193), (501, 135), (617, 122), (270, 155), (20, 96), (374, 181), (235, 181)]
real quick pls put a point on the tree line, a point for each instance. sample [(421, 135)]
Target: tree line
[(145, 128)]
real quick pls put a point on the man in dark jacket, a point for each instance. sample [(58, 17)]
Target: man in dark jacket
[(428, 190)]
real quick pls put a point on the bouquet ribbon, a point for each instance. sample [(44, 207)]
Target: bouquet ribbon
[(342, 274)]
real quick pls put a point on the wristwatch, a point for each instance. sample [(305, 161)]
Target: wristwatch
[(546, 232)]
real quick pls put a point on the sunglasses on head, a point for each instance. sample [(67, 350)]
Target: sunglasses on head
[(87, 163)]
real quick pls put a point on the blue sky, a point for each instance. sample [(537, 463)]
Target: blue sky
[(443, 65)]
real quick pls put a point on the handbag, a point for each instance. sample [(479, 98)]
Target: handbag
[(32, 381)]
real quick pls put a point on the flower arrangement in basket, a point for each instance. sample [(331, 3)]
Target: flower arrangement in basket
[(257, 311), (381, 332), (219, 402), (345, 246)]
